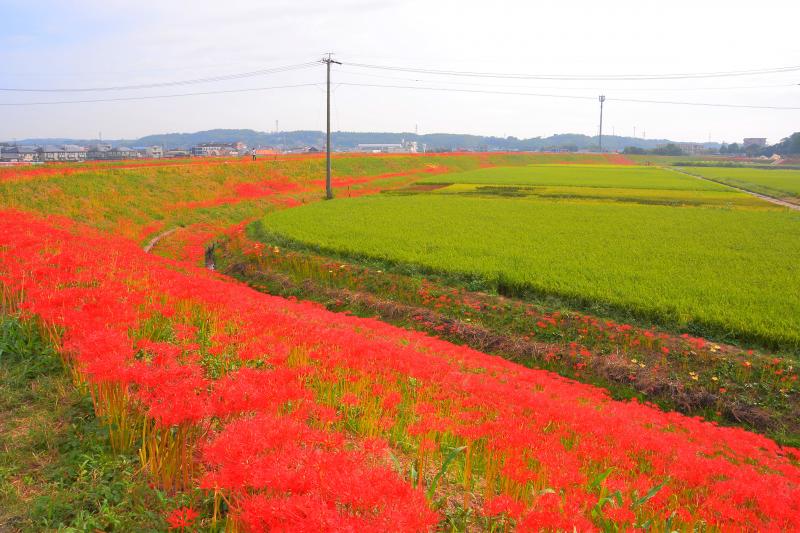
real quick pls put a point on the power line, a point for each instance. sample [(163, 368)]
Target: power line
[(568, 96), (241, 75), (159, 96), (620, 89), (413, 87), (585, 77)]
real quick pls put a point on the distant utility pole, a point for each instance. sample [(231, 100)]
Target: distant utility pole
[(328, 188), (602, 99)]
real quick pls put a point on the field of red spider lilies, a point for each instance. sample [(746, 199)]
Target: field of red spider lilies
[(299, 419)]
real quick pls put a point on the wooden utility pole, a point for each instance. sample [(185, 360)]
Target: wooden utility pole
[(602, 99), (328, 188)]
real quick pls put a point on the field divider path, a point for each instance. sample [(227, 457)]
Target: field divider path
[(149, 246), (770, 199)]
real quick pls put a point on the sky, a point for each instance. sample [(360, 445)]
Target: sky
[(56, 45)]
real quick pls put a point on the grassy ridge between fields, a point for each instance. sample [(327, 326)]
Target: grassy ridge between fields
[(630, 177), (726, 273)]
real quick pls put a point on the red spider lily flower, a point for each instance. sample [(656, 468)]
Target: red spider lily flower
[(182, 518)]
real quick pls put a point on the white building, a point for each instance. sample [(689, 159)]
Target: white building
[(403, 147), (219, 149), (68, 152), (150, 152)]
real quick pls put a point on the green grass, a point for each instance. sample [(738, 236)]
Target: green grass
[(779, 183), (57, 471), (628, 177), (724, 273)]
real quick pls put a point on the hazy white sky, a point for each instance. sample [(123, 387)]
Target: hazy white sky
[(90, 43)]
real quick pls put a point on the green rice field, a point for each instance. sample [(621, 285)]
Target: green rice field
[(779, 183), (631, 177), (717, 263)]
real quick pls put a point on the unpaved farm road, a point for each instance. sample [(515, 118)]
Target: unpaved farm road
[(154, 240), (777, 201)]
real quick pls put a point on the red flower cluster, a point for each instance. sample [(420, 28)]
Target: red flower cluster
[(290, 411), (182, 518)]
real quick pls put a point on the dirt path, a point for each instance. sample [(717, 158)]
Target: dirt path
[(770, 199), (149, 246)]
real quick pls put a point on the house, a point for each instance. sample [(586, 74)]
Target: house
[(106, 152), (98, 151), (123, 152), (67, 152), (173, 154), (758, 142), (150, 152), (19, 154), (219, 149), (690, 148)]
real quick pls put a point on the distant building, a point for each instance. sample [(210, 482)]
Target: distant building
[(19, 154), (123, 152), (758, 142), (68, 152), (219, 149), (106, 152), (389, 148), (300, 150), (692, 148), (173, 154), (150, 152)]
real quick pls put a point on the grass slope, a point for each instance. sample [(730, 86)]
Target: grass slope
[(57, 471)]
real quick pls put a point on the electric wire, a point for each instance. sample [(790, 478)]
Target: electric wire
[(159, 96), (369, 85), (573, 97), (583, 77), (211, 79), (620, 89)]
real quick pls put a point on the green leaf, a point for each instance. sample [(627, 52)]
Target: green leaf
[(449, 459), (599, 479), (644, 499)]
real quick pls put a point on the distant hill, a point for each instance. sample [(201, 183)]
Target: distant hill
[(348, 140)]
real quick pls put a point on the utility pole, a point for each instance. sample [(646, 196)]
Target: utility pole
[(602, 99), (328, 188)]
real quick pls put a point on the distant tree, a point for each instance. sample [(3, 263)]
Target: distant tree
[(788, 146), (752, 150), (634, 150), (724, 148), (669, 149), (734, 148)]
